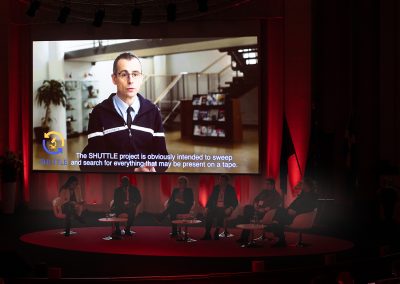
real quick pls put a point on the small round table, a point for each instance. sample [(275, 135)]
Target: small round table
[(112, 220), (252, 227), (186, 223)]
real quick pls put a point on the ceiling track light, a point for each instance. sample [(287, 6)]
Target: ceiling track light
[(99, 17), (64, 13), (136, 16), (171, 12), (202, 5), (33, 7)]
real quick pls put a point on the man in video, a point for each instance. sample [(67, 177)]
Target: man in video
[(125, 129)]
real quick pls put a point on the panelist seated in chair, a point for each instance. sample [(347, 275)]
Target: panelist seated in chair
[(126, 199), (71, 202), (180, 202), (267, 200), (305, 202), (220, 205)]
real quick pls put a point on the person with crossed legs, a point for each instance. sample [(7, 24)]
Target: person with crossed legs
[(305, 202), (71, 202), (180, 202), (268, 199), (221, 204)]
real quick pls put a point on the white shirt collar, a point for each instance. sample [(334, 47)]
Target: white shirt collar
[(122, 107)]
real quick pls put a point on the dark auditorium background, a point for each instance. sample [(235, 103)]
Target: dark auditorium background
[(329, 72)]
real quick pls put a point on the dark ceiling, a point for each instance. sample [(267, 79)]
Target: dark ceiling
[(120, 11)]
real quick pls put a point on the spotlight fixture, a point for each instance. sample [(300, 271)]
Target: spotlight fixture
[(98, 18), (171, 12), (33, 7), (64, 13), (136, 16), (203, 5)]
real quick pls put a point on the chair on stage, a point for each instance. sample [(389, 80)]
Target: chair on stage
[(266, 220), (301, 223), (57, 211), (234, 214), (268, 217)]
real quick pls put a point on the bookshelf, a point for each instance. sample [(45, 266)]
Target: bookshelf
[(216, 118)]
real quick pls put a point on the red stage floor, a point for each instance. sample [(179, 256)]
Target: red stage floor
[(155, 241)]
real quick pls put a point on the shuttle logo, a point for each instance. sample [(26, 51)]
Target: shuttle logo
[(49, 142)]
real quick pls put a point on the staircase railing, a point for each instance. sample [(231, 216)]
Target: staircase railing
[(168, 88), (171, 95), (213, 63), (175, 108)]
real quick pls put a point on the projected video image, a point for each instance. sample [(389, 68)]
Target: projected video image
[(146, 105)]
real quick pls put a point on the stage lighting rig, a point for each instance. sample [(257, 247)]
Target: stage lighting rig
[(171, 12), (99, 17), (33, 7), (202, 5), (64, 13), (136, 16)]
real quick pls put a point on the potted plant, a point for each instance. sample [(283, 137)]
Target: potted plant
[(50, 92), (10, 166)]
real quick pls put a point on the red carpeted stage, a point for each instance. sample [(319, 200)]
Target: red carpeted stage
[(152, 252), (155, 241)]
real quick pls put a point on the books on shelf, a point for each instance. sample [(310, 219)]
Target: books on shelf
[(209, 115), (213, 114), (221, 115), (209, 100), (203, 115), (196, 114), (220, 132), (196, 101), (215, 99), (196, 130), (208, 130)]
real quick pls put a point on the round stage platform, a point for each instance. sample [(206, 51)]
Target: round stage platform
[(155, 241), (151, 251)]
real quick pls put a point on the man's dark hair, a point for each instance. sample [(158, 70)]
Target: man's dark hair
[(125, 181), (69, 182), (270, 180), (225, 177), (310, 183), (127, 56), (184, 179)]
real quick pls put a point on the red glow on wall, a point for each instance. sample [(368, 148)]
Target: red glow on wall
[(93, 185), (165, 184), (274, 102), (206, 184), (238, 188), (293, 172), (244, 194)]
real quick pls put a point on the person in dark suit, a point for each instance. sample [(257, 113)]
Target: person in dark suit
[(221, 204), (265, 201), (180, 202), (126, 199), (305, 202)]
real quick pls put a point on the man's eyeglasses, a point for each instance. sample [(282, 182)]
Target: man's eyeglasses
[(125, 75)]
